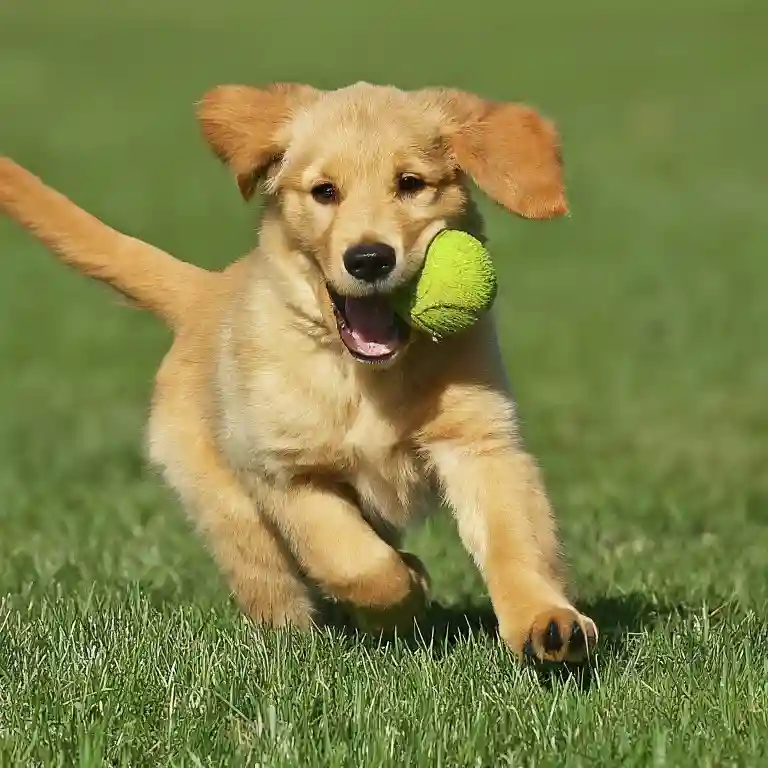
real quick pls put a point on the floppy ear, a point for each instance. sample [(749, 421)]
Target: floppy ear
[(245, 126), (511, 152)]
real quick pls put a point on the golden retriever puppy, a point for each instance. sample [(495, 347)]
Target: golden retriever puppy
[(299, 420)]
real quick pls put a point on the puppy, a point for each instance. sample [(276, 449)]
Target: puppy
[(296, 417)]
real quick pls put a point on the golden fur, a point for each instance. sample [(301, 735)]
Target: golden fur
[(299, 464)]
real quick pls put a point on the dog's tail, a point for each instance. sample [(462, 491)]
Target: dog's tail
[(147, 276)]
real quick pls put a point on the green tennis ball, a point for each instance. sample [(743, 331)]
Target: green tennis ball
[(454, 287)]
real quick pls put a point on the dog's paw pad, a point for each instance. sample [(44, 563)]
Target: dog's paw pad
[(561, 635)]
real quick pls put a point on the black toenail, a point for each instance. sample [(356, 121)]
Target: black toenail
[(578, 642), (528, 648), (552, 640)]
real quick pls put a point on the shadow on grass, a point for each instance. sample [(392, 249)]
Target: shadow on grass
[(618, 618), (621, 616), (445, 625)]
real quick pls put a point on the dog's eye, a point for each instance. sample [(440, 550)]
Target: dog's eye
[(325, 193), (410, 184)]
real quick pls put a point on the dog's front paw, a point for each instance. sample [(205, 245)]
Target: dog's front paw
[(400, 616), (556, 635)]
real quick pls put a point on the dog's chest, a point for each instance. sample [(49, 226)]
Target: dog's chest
[(321, 423), (384, 468)]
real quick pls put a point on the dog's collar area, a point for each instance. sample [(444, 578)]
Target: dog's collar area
[(369, 327)]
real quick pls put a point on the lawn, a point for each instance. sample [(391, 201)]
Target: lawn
[(635, 333)]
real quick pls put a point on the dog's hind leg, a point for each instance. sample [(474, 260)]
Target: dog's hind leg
[(262, 575), (260, 571)]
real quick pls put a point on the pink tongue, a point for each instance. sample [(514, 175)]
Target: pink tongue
[(370, 327)]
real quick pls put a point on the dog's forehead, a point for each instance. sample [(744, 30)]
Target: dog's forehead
[(372, 105), (364, 122)]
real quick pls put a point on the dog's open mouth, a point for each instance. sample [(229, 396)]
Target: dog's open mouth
[(369, 327)]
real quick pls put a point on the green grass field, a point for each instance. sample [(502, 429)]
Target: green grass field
[(635, 332)]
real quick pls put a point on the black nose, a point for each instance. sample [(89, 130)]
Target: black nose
[(370, 261)]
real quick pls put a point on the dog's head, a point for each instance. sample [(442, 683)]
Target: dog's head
[(365, 176)]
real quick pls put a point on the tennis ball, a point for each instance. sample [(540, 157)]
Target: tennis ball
[(454, 287)]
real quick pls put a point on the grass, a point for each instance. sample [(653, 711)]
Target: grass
[(635, 334)]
